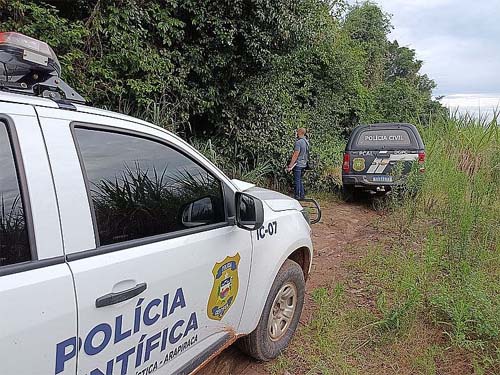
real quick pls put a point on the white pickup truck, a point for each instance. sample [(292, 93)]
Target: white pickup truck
[(122, 249)]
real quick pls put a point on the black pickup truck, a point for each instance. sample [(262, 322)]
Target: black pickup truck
[(374, 150)]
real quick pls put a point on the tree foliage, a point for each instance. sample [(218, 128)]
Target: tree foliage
[(240, 73)]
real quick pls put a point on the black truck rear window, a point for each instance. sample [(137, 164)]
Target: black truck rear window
[(378, 138)]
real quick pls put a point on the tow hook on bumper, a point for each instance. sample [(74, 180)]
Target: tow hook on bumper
[(311, 206)]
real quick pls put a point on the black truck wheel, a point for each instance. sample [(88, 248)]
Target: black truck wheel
[(349, 193), (280, 316)]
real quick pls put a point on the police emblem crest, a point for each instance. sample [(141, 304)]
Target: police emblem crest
[(358, 164), (225, 288)]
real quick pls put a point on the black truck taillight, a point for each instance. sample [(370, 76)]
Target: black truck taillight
[(421, 161), (346, 163)]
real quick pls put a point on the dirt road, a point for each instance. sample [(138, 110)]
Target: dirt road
[(342, 227)]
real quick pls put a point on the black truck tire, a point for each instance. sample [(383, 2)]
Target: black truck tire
[(260, 344), (349, 193)]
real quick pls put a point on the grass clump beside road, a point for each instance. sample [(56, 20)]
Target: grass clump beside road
[(430, 301), (461, 257)]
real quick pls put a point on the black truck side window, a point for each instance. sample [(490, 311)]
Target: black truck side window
[(14, 242), (141, 188)]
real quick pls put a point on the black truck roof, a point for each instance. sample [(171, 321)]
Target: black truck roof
[(416, 142)]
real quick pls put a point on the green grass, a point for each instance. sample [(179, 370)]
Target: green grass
[(461, 193), (323, 346)]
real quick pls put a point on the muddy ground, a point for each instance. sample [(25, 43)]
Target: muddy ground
[(344, 227)]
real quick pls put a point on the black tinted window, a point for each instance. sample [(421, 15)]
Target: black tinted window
[(142, 188), (14, 244), (383, 138), (247, 209)]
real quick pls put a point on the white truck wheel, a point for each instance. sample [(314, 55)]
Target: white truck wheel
[(280, 315)]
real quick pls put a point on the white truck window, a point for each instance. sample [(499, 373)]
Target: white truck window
[(141, 188), (14, 243)]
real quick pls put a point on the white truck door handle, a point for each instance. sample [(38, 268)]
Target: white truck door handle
[(113, 298)]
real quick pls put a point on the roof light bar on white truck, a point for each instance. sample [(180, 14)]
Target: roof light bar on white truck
[(30, 66)]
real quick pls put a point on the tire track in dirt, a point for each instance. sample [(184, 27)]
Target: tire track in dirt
[(342, 227)]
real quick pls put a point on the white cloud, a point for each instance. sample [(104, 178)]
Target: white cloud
[(483, 106), (467, 101), (456, 39)]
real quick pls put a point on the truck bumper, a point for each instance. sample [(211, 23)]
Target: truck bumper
[(366, 182)]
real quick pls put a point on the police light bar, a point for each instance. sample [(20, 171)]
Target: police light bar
[(30, 66), (23, 52)]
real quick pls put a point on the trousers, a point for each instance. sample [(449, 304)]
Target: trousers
[(297, 181)]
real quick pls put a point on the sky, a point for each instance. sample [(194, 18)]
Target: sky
[(459, 42)]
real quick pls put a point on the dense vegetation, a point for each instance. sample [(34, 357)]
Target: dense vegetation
[(235, 77)]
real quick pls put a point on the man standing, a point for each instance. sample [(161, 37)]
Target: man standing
[(299, 162)]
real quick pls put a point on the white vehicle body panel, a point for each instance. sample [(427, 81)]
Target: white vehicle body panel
[(74, 210), (38, 305), (179, 267), (242, 185), (165, 266), (270, 253), (276, 201), (40, 312), (54, 307), (26, 100)]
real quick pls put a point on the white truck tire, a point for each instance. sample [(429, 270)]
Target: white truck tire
[(280, 315)]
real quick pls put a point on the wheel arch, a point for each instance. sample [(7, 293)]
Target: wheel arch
[(301, 252), (302, 256)]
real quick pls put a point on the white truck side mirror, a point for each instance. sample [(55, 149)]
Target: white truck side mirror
[(249, 211)]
